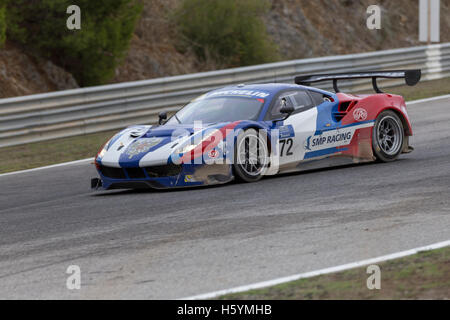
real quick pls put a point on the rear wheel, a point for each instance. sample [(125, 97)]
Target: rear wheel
[(251, 155), (387, 136)]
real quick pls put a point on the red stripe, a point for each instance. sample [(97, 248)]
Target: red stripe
[(208, 145)]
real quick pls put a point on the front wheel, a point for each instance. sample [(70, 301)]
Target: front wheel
[(387, 136), (251, 155)]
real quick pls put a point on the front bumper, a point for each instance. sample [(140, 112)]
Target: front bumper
[(162, 177)]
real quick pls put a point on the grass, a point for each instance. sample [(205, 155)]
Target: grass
[(425, 275), (422, 90), (44, 153), (68, 149)]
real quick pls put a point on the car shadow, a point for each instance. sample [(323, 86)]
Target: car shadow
[(108, 193), (334, 168)]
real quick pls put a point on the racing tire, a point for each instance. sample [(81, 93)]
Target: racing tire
[(387, 136), (251, 155)]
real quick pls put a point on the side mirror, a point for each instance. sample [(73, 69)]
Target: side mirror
[(162, 117), (286, 109)]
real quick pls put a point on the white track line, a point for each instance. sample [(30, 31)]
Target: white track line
[(47, 167), (428, 100), (91, 159), (310, 274)]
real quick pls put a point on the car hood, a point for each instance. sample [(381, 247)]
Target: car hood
[(142, 146)]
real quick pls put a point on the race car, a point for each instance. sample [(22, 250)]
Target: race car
[(248, 131)]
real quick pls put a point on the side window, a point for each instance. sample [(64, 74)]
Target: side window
[(275, 112), (318, 98), (300, 100)]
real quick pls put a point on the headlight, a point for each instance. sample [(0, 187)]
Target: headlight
[(103, 149), (102, 153)]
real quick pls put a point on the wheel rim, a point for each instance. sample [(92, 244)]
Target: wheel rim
[(252, 155), (389, 135)]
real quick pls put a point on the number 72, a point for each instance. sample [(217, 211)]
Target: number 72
[(286, 144)]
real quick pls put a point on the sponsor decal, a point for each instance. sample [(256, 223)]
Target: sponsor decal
[(287, 132), (245, 93), (329, 139), (189, 178), (360, 114), (120, 146), (213, 154), (307, 144), (142, 146)]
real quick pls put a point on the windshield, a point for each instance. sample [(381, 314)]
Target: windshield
[(219, 109)]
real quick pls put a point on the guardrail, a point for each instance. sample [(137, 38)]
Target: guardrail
[(95, 109)]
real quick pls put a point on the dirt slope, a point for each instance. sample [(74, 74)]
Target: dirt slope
[(22, 74), (323, 27), (300, 28)]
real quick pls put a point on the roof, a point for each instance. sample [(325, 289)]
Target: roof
[(267, 88)]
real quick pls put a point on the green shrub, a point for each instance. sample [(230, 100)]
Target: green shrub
[(2, 23), (232, 32), (90, 54)]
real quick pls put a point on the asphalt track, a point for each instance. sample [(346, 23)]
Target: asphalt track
[(174, 244)]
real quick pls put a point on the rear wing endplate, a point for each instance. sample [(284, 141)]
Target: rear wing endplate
[(412, 77)]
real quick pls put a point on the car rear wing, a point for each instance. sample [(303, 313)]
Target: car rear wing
[(412, 77)]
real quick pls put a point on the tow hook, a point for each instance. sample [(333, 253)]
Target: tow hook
[(96, 183)]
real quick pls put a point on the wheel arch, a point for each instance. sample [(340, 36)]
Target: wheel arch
[(407, 130), (257, 126), (405, 121)]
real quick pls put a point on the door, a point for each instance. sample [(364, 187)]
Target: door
[(294, 131)]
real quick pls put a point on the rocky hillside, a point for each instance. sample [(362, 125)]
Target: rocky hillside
[(24, 74), (300, 28)]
